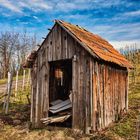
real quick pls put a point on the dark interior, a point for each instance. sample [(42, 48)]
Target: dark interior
[(60, 83)]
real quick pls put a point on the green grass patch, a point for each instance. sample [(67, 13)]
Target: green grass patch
[(20, 100), (4, 81), (126, 127)]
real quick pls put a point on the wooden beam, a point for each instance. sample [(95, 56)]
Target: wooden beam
[(55, 119)]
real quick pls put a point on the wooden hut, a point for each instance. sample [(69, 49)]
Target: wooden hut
[(73, 61)]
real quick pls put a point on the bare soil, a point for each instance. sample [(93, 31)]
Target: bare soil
[(16, 125)]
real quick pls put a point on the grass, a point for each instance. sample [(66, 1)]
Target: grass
[(19, 108), (4, 81), (125, 129)]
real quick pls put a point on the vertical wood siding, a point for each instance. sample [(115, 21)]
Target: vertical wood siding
[(109, 94), (99, 90)]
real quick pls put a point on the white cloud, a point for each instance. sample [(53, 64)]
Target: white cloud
[(129, 31), (6, 14), (23, 4), (43, 5), (18, 6), (67, 6), (122, 44), (95, 3), (57, 5), (132, 13), (74, 17), (109, 28), (7, 4), (35, 17), (36, 5)]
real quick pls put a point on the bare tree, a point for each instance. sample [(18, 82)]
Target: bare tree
[(14, 47), (8, 41), (27, 43), (132, 53)]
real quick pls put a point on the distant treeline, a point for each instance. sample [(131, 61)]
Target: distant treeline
[(132, 53), (14, 47)]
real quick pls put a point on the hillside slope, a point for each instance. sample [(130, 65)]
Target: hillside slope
[(15, 125)]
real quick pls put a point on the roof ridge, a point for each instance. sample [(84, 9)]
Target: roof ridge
[(89, 40)]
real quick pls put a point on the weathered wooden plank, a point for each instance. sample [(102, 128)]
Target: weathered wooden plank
[(101, 90), (101, 96), (83, 93), (55, 119), (87, 87), (88, 93), (111, 105), (56, 102), (126, 90), (119, 92), (74, 92), (112, 81), (71, 46), (33, 97), (49, 49), (61, 104), (41, 91), (37, 115), (96, 97), (61, 109), (106, 91), (53, 44), (103, 76), (58, 43), (46, 96), (66, 45), (79, 87), (91, 93), (63, 44), (109, 95)]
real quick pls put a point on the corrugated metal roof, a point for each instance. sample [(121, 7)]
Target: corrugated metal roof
[(100, 47)]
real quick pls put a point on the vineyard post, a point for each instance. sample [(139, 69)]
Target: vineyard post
[(10, 80), (23, 83), (16, 85)]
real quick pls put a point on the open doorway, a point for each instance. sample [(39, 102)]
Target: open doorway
[(60, 86), (60, 81)]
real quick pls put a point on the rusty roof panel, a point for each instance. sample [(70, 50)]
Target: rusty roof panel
[(30, 59), (103, 49)]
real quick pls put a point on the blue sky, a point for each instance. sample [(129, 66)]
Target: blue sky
[(118, 21)]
